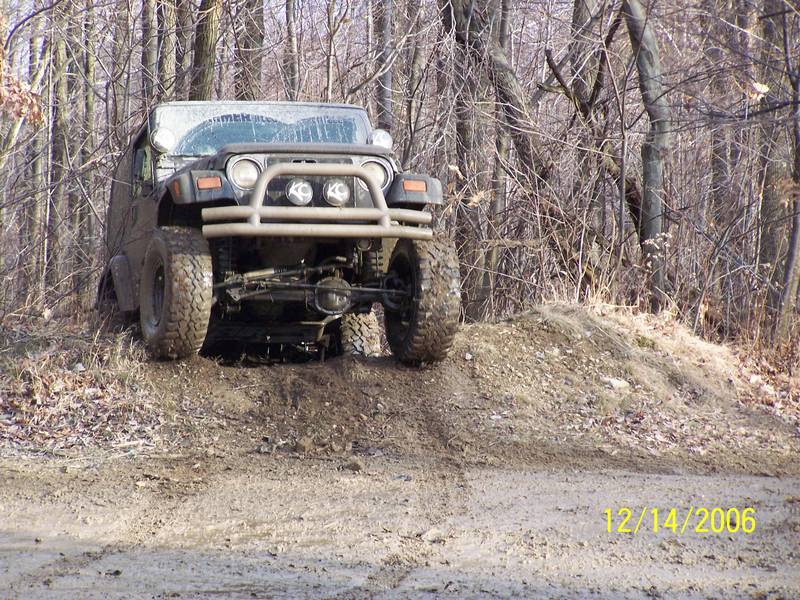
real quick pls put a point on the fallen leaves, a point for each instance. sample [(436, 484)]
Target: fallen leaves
[(60, 389)]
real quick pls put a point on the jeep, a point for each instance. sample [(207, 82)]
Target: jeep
[(264, 222)]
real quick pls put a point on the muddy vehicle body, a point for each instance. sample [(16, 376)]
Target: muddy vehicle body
[(266, 222)]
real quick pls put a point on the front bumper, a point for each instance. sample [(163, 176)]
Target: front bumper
[(327, 222)]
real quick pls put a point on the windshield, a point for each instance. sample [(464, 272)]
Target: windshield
[(202, 129)]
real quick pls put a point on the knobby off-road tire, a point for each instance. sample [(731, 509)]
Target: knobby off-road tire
[(176, 292), (360, 334), (423, 329)]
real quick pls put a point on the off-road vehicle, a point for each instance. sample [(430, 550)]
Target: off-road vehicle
[(265, 222)]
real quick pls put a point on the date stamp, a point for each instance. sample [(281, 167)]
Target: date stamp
[(694, 519)]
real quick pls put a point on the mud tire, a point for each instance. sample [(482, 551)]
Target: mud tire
[(372, 263), (360, 335), (176, 292), (423, 329)]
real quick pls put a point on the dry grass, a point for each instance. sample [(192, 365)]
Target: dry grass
[(64, 384)]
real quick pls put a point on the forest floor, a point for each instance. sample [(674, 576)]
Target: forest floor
[(486, 475)]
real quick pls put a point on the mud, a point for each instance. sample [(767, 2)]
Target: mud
[(294, 527), (485, 476)]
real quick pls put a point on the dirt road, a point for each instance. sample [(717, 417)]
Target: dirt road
[(262, 526), (486, 476)]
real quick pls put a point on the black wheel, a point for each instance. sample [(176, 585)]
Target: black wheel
[(360, 334), (421, 327), (175, 293)]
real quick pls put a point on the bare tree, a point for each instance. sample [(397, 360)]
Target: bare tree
[(184, 45), (55, 245), (167, 47), (650, 225), (787, 299), (248, 51), (149, 49), (385, 15), (334, 21), (205, 44), (291, 53), (470, 28)]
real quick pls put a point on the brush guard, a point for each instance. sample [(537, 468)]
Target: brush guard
[(380, 221)]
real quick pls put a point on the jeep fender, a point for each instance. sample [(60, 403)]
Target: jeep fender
[(183, 188), (427, 192)]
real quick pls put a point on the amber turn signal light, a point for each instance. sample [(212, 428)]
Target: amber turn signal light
[(415, 185), (209, 183)]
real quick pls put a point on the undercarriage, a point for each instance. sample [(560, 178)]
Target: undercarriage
[(289, 291)]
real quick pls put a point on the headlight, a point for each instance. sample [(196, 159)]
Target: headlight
[(378, 172), (299, 192), (244, 173), (336, 192)]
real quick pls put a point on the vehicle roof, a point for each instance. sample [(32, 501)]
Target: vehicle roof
[(255, 103)]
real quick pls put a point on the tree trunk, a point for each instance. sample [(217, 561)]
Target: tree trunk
[(580, 47), (584, 65), (655, 145), (33, 231), (167, 55), (791, 271), (248, 52), (205, 44), (468, 219), (502, 147), (84, 215), (291, 53), (225, 59), (385, 16), (118, 108), (329, 56), (183, 51), (416, 62), (57, 222), (773, 214), (149, 50)]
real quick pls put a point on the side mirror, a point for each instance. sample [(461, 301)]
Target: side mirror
[(381, 137), (163, 140)]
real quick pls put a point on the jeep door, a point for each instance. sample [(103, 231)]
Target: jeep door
[(143, 207)]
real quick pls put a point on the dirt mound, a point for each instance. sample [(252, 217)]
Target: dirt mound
[(560, 385)]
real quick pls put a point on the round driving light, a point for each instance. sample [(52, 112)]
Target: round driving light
[(244, 173), (377, 172), (336, 192), (163, 140), (299, 192)]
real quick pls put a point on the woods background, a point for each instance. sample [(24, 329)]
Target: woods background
[(634, 152)]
